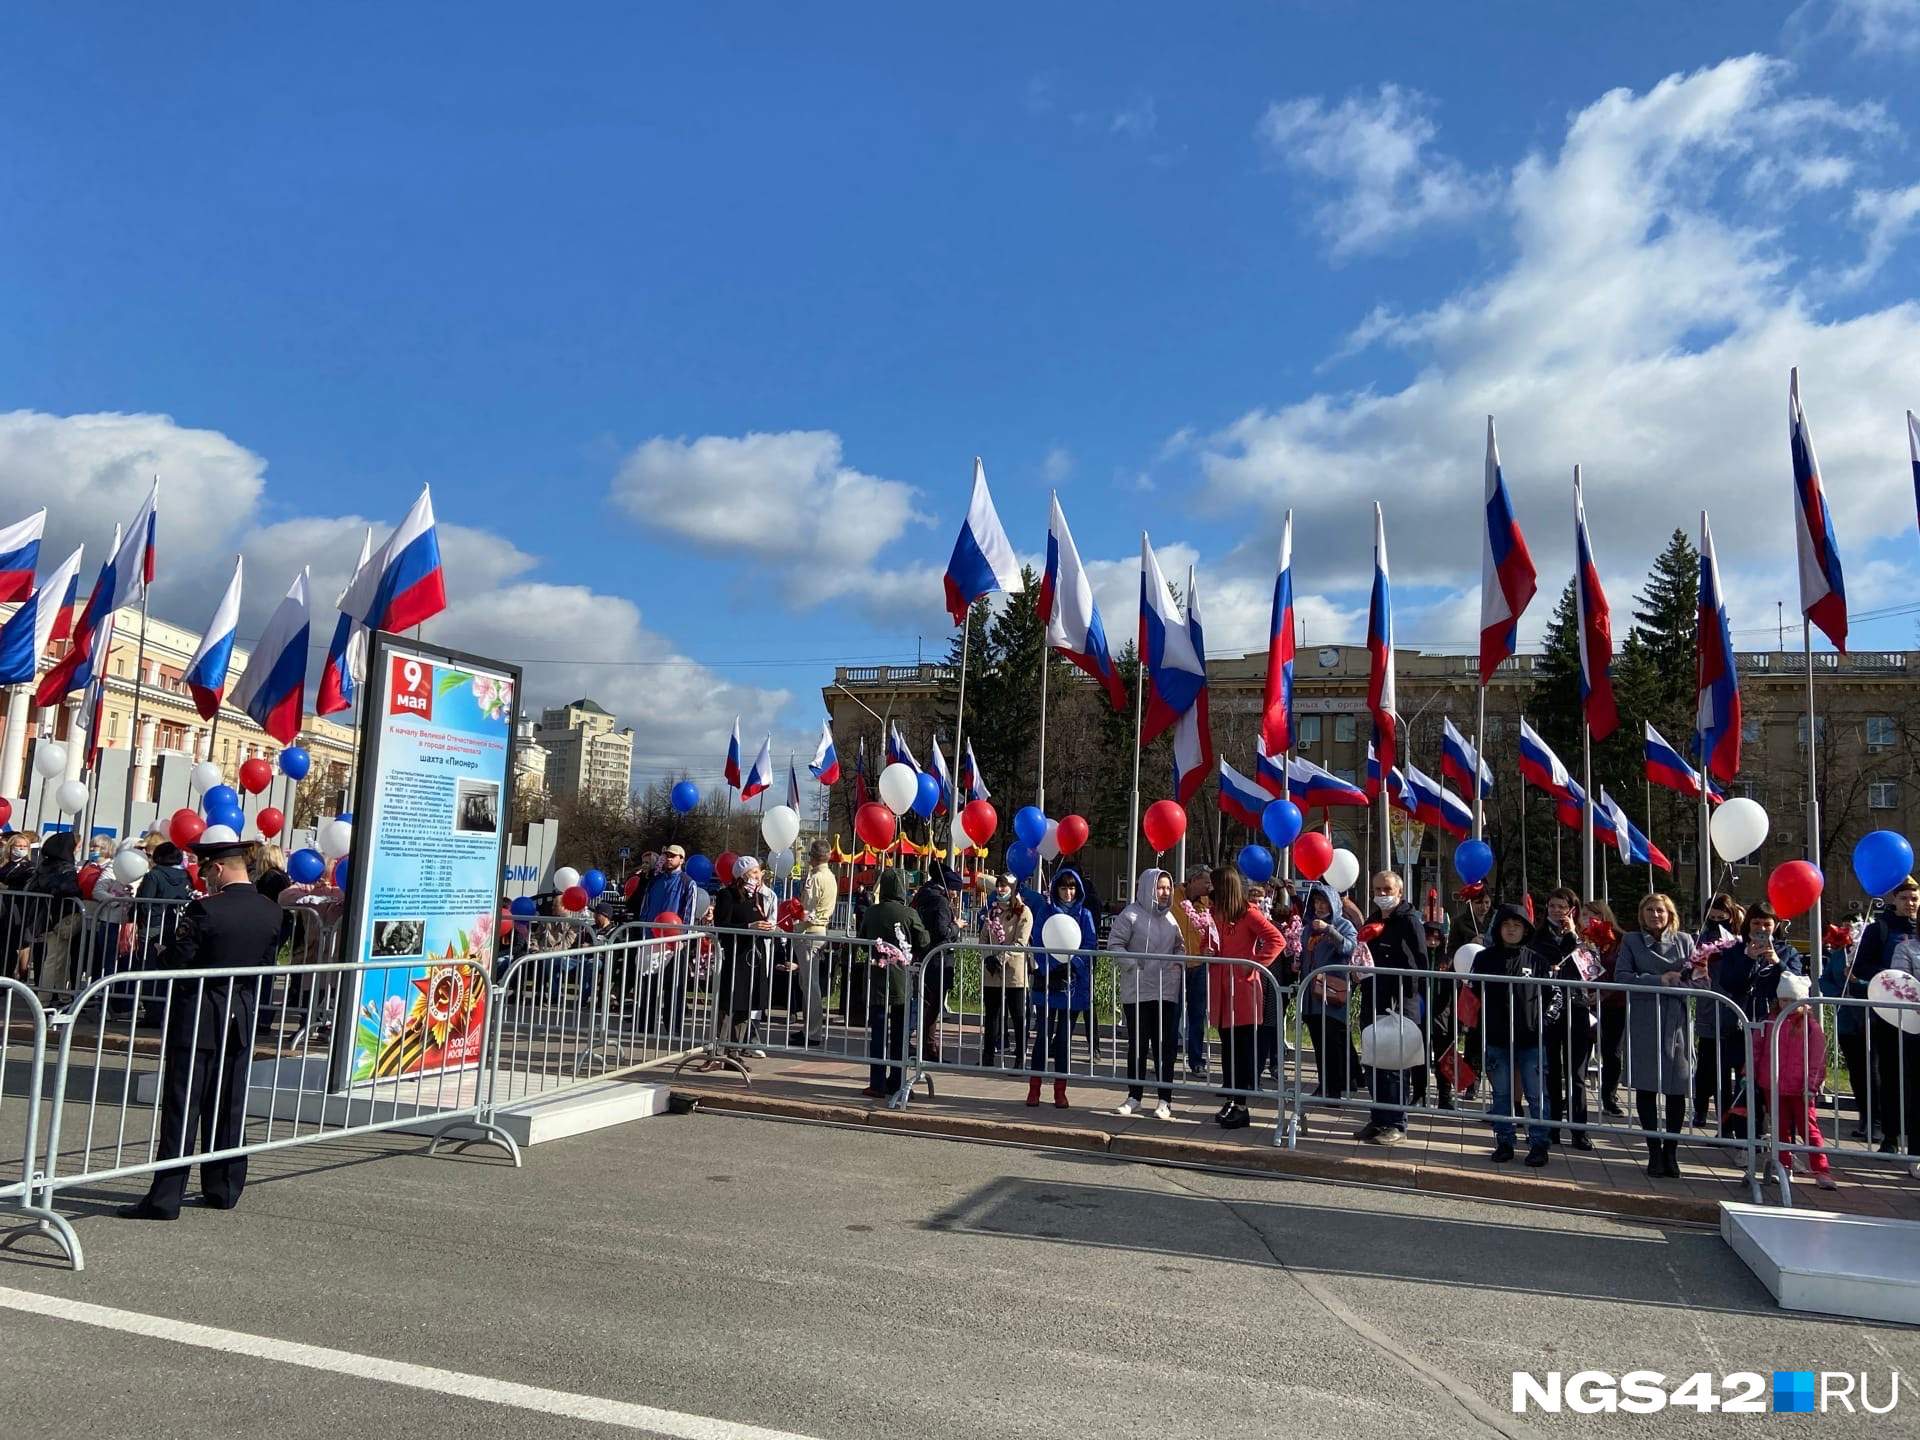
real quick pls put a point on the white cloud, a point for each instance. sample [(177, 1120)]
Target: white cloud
[(1058, 465), (1137, 121), (1372, 152), (1874, 27), (1887, 217)]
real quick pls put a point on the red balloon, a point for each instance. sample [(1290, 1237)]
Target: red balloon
[(255, 775), (667, 922), (6, 810), (1794, 886), (1073, 831), (633, 884), (270, 821), (185, 827), (1313, 853), (1163, 825), (723, 868), (979, 820), (875, 824), (575, 897)]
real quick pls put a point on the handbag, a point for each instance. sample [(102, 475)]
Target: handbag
[(1393, 1042), (1452, 1068)]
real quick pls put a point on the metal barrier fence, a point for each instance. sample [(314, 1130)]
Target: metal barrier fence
[(1534, 1040), (21, 1008), (1878, 1042), (43, 938)]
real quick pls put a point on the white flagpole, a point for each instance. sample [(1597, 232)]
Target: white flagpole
[(1479, 758), (1040, 787), (1813, 796), (1586, 810)]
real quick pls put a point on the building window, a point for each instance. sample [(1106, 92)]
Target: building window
[(1819, 731), (1883, 795), (1880, 733), (1344, 727), (1350, 775), (1309, 731), (1749, 730)]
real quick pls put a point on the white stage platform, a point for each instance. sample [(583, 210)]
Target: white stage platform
[(1830, 1264)]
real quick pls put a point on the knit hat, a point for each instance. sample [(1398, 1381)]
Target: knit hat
[(1794, 987), (744, 866)]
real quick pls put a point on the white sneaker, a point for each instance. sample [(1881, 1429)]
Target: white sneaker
[(1127, 1106), (1162, 1111), (1914, 1170)]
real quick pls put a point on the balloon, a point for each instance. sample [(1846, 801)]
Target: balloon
[(1163, 825), (1073, 834), (565, 878), (1342, 870), (926, 796), (574, 898), (306, 866), (336, 838), (780, 827), (1030, 824), (255, 775), (71, 797), (345, 817), (295, 762), (722, 868), (230, 816), (1256, 863), (1280, 822), (6, 810), (699, 869), (49, 758), (340, 870), (218, 835), (780, 864), (1049, 846), (1738, 828), (666, 923), (1312, 854), (1060, 935), (1473, 861), (1463, 957), (899, 784), (875, 824), (593, 882), (220, 797), (1022, 860), (978, 819), (1889, 988), (1794, 886), (130, 866), (1881, 861), (686, 795), (270, 821), (522, 904)]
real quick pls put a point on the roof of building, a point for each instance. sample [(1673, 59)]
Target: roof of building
[(590, 707)]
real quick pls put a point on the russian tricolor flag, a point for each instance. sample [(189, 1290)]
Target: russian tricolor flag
[(897, 752), (20, 556), (30, 629), (72, 671), (346, 663), (983, 559), (1067, 609), (1539, 766), (793, 787), (1595, 628), (761, 775), (825, 766), (860, 796), (1175, 674), (1617, 827), (1667, 768), (92, 715), (1823, 590), (941, 777), (732, 770), (1913, 454), (1459, 761), (402, 584), (133, 558), (1716, 733), (971, 780), (1308, 785), (1276, 709), (206, 673), (273, 688), (1269, 770), (1571, 805), (1396, 783), (1381, 700), (1193, 735), (1434, 804), (1507, 576), (1241, 798)]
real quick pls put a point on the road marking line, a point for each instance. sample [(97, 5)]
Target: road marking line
[(394, 1372)]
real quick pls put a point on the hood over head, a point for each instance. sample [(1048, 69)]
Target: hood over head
[(1504, 914), (893, 886)]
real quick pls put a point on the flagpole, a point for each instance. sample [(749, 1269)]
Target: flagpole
[(133, 735), (1650, 884), (1814, 936), (1525, 887), (1040, 789), (1586, 810), (1133, 814), (1479, 757), (960, 710)]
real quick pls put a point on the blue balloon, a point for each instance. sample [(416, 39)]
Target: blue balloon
[(220, 797), (1022, 860), (230, 816), (1030, 824), (295, 762), (1473, 861), (699, 870), (522, 904), (1881, 861), (346, 815), (1256, 863), (927, 799), (1281, 822), (593, 882), (686, 795), (340, 872), (306, 866)]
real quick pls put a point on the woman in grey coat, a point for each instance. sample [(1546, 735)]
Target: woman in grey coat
[(1151, 957), (1659, 1059)]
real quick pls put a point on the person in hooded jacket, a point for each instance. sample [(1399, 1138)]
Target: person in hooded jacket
[(1399, 943), (1237, 995), (1890, 943), (1062, 988), (50, 912), (1567, 1042), (934, 903), (1151, 955), (1512, 1020), (1003, 975), (1327, 938), (892, 922)]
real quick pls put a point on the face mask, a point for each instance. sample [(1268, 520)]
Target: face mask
[(1385, 902)]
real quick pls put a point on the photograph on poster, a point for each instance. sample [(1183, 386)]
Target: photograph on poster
[(398, 937), (476, 807)]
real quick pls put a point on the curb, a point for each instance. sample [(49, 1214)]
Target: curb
[(1431, 1179)]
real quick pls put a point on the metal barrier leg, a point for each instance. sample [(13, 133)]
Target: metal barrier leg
[(486, 1133)]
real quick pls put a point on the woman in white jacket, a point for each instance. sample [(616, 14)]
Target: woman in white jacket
[(1151, 956)]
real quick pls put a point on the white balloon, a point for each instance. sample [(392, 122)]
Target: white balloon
[(49, 758), (1342, 871), (780, 862), (1049, 846), (960, 840), (1893, 986), (129, 866), (336, 838), (203, 777), (899, 784), (780, 827), (217, 835), (566, 877), (70, 797), (1061, 935), (1738, 828), (1463, 957)]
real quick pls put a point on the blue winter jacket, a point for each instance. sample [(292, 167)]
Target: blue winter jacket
[(1079, 994)]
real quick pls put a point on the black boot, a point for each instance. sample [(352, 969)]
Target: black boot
[(1656, 1160), (1670, 1155)]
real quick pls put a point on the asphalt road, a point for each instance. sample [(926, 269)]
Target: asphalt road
[(852, 1284)]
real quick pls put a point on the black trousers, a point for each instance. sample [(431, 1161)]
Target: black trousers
[(1896, 1084), (1152, 1026), (1237, 1049), (203, 1107), (1866, 1097), (1717, 1069), (1648, 1104), (1567, 1053), (1333, 1052), (1613, 1031), (1003, 1017)]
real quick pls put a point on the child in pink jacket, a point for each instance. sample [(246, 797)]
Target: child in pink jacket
[(1802, 1052)]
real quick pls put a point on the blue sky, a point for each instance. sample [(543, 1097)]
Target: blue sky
[(695, 319)]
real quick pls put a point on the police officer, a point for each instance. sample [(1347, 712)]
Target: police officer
[(210, 1024)]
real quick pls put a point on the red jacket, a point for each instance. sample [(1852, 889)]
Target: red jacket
[(1235, 994)]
